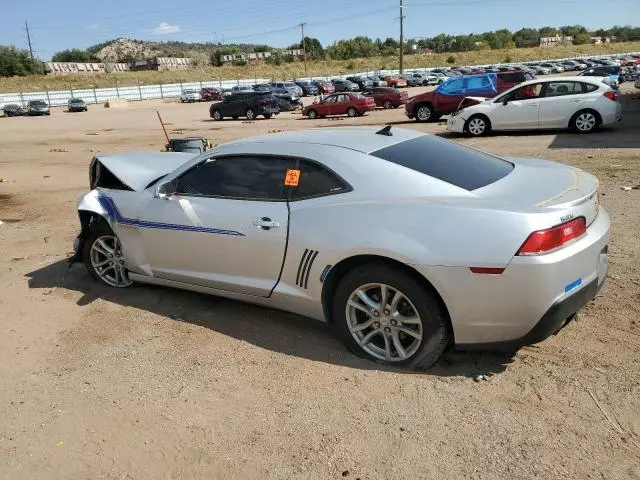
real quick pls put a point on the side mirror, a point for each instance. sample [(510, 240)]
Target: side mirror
[(164, 190), (505, 103)]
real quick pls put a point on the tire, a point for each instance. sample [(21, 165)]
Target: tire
[(424, 112), (478, 126), (112, 276), (312, 114), (425, 83), (250, 114), (387, 104), (217, 115), (585, 121), (267, 116), (352, 112), (431, 332)]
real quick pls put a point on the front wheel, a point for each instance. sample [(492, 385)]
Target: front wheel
[(102, 256), (312, 114), (387, 104), (217, 115), (386, 315), (352, 112), (424, 113), (477, 126), (267, 116), (250, 114)]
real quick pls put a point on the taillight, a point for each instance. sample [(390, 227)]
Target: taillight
[(545, 241), (611, 95)]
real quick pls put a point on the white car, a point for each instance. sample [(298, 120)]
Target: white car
[(580, 103), (190, 96)]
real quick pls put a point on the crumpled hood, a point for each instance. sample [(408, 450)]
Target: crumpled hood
[(137, 169)]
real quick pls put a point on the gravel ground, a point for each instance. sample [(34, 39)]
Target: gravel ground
[(152, 383)]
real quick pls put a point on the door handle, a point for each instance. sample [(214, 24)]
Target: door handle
[(265, 223), (534, 105)]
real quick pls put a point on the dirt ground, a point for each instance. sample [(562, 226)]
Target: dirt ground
[(152, 383)]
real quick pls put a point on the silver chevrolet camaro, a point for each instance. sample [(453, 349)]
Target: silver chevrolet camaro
[(407, 243)]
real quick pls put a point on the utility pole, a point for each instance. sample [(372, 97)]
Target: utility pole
[(26, 27), (304, 48), (401, 34)]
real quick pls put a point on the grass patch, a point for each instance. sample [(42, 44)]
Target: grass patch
[(36, 83)]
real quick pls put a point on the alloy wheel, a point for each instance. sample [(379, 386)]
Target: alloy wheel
[(384, 322), (250, 114), (107, 261), (423, 113)]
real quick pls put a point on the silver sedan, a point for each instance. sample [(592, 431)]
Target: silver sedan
[(407, 243)]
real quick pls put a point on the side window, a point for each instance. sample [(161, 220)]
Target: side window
[(451, 87), (343, 99), (241, 177), (560, 89), (589, 87), (316, 181), (527, 92), (331, 99)]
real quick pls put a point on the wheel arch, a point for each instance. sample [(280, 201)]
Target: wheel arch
[(340, 269)]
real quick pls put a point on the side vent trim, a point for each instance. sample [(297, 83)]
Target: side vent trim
[(304, 267)]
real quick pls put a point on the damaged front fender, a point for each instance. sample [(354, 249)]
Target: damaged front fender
[(92, 215)]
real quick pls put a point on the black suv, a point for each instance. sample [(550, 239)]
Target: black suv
[(245, 104), (603, 71)]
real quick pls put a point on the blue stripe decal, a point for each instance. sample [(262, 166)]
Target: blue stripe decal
[(572, 285), (114, 215)]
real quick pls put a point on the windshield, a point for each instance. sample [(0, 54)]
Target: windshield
[(76, 100), (448, 161), (37, 103)]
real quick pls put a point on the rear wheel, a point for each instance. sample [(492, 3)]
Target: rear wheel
[(585, 121), (387, 104), (250, 114), (267, 116), (478, 125), (102, 255), (424, 112), (217, 115), (385, 315), (352, 112), (313, 114)]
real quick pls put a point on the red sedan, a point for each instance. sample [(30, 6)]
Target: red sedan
[(387, 97), (210, 93), (346, 103), (324, 87)]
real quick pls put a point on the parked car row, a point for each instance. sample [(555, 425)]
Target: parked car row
[(40, 107)]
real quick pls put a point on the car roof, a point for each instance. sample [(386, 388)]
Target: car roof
[(361, 139)]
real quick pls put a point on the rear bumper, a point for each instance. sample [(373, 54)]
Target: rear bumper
[(613, 116), (531, 299), (555, 319)]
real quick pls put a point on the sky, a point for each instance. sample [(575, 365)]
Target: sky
[(62, 24)]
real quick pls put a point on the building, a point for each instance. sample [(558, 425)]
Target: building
[(70, 68), (161, 63), (557, 40), (601, 40)]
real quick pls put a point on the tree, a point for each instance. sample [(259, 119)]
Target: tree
[(582, 38), (74, 55), (548, 31), (17, 62)]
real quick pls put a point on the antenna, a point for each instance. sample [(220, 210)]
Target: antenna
[(386, 131)]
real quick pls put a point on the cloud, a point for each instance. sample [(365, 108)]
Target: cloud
[(165, 29), (93, 26)]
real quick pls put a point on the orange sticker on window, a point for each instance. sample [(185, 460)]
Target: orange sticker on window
[(292, 178)]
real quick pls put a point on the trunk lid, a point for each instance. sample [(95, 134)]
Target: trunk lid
[(540, 186)]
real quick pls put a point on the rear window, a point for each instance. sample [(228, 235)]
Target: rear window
[(447, 161)]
